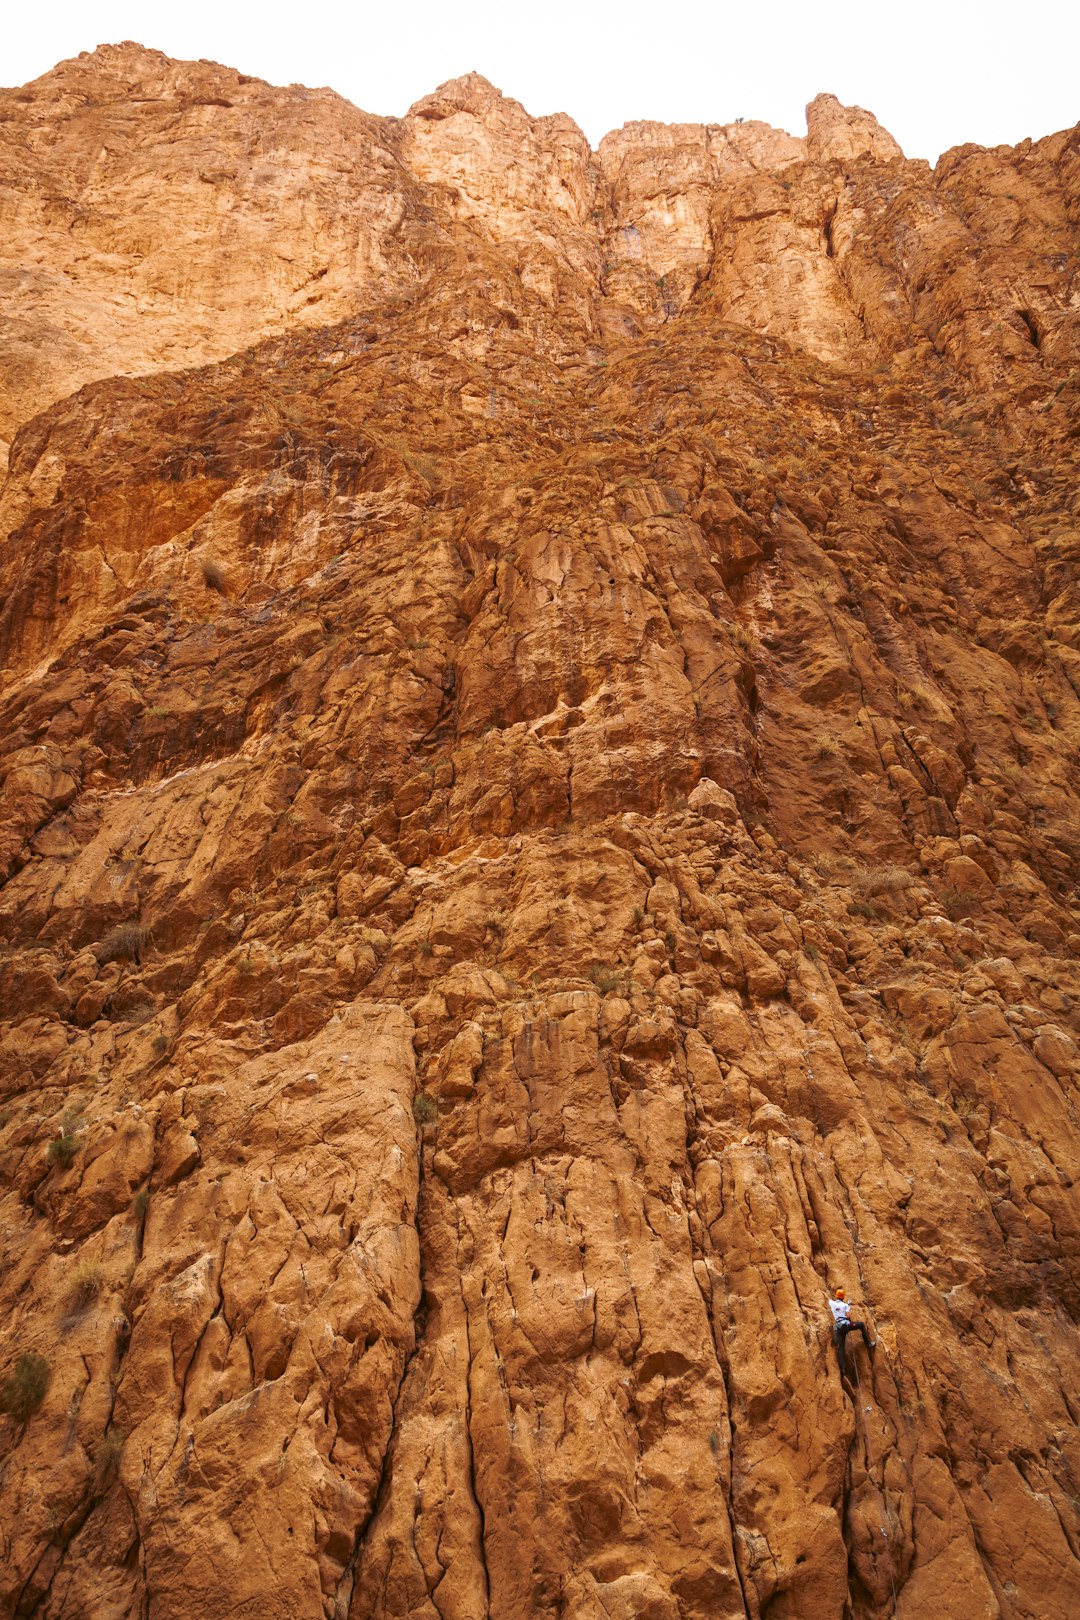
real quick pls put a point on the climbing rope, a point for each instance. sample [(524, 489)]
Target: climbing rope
[(881, 1489)]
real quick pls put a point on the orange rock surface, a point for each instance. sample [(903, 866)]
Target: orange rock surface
[(540, 731)]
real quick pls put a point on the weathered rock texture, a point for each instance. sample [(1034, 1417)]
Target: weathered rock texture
[(541, 833)]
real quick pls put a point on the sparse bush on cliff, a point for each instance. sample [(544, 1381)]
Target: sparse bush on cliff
[(886, 879), (906, 1038), (140, 1010), (86, 1284), (24, 1389), (62, 1149), (124, 943), (106, 1458), (213, 575), (954, 904), (425, 1108), (606, 979)]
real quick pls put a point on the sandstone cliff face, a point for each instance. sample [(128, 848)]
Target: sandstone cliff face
[(540, 732)]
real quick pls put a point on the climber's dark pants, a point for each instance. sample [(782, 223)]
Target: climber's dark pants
[(842, 1331)]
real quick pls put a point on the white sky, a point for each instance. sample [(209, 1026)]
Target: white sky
[(936, 72)]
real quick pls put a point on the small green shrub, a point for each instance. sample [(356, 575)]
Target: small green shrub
[(140, 1203), (160, 1044), (606, 979), (425, 1108), (24, 1389), (64, 1146), (62, 1149)]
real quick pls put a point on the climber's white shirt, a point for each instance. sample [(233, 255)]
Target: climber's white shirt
[(841, 1309)]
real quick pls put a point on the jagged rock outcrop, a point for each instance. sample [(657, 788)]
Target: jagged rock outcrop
[(844, 134), (540, 724)]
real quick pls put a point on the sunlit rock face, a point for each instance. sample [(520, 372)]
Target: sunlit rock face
[(539, 736)]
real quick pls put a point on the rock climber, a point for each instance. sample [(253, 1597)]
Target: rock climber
[(843, 1325)]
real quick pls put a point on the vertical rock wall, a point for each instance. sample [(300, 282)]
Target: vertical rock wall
[(540, 836)]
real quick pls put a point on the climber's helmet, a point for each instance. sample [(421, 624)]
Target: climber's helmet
[(838, 1293)]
